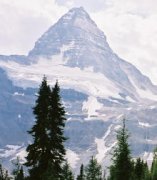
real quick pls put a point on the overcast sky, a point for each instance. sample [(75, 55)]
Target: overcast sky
[(130, 26)]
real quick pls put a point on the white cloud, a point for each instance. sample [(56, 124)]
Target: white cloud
[(130, 26), (131, 31), (93, 6), (23, 22)]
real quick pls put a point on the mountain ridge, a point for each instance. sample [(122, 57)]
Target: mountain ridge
[(98, 88), (80, 48)]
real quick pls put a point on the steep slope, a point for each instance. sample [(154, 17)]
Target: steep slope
[(99, 88), (76, 44), (81, 44), (15, 112)]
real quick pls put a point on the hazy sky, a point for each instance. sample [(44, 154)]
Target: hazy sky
[(130, 26)]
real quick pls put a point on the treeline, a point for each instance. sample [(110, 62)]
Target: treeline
[(46, 155)]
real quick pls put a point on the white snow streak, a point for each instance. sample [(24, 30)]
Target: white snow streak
[(143, 124), (91, 106), (72, 158), (86, 81), (101, 145)]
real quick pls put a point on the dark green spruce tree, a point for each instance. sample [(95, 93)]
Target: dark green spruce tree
[(4, 174), (138, 169), (18, 171), (46, 153), (81, 176), (141, 171), (37, 157), (147, 174), (122, 167), (93, 170), (55, 129), (66, 172), (154, 166), (20, 175)]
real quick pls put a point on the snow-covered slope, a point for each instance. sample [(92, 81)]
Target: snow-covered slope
[(98, 88), (75, 45)]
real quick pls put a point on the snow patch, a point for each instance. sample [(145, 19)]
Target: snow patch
[(22, 154), (102, 148), (72, 158), (86, 25), (121, 116), (84, 81), (144, 93), (9, 150), (18, 94), (117, 127), (91, 106), (143, 124), (129, 109), (128, 98), (152, 107), (89, 69), (148, 157)]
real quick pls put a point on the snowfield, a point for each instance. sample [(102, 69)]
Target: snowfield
[(86, 81)]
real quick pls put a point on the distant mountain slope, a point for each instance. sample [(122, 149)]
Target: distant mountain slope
[(99, 88), (76, 42)]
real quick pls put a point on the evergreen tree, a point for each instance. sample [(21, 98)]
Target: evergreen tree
[(121, 169), (104, 175), (18, 171), (56, 133), (141, 171), (20, 175), (154, 166), (66, 172), (46, 154), (4, 174), (81, 176), (147, 175), (138, 169), (93, 170), (37, 158)]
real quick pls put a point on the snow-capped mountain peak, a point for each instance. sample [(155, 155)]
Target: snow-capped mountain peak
[(75, 13), (99, 87), (79, 18), (75, 27), (76, 44)]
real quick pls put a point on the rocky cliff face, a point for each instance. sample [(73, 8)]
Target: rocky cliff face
[(98, 89)]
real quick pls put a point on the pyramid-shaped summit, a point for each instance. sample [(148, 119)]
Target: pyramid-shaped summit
[(98, 87), (76, 14), (77, 42), (75, 27)]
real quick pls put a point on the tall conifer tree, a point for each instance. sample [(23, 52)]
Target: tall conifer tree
[(154, 166), (46, 153), (93, 170), (141, 171), (56, 133), (4, 174), (66, 172), (18, 171), (122, 165), (81, 176), (20, 175), (36, 158)]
